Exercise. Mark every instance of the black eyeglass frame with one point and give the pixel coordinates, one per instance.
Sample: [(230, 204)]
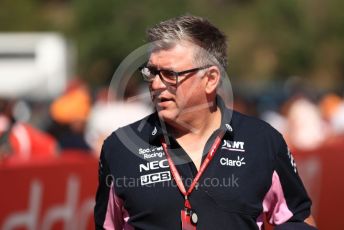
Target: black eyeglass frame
[(155, 72)]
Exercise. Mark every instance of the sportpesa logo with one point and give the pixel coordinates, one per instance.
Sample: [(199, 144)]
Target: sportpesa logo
[(155, 152)]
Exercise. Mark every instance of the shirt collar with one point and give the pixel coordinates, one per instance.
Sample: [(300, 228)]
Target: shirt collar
[(226, 116)]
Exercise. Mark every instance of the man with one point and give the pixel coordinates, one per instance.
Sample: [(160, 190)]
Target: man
[(194, 163)]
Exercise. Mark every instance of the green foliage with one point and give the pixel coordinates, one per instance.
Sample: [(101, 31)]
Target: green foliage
[(107, 35), (267, 38)]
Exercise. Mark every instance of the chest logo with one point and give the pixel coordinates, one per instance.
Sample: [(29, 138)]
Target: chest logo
[(233, 163), (151, 153), (155, 177), (237, 146)]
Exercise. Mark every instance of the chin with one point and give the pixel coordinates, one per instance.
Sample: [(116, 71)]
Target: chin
[(167, 116)]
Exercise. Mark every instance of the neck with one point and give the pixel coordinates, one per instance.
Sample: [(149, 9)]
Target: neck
[(194, 133), (198, 124)]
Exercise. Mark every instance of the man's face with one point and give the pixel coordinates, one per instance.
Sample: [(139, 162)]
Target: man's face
[(180, 102)]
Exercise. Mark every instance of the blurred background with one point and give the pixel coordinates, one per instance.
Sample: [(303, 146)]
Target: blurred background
[(58, 57)]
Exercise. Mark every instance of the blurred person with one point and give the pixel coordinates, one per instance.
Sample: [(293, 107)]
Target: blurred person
[(329, 104), (332, 108), (20, 140), (193, 137), (243, 105), (269, 104), (305, 128), (69, 113), (276, 120), (110, 114), (337, 120)]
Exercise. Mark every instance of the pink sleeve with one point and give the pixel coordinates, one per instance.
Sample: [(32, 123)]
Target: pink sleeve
[(116, 217), (275, 204)]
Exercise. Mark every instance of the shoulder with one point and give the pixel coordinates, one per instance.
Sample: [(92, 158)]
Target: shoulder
[(254, 124), (129, 136), (258, 129)]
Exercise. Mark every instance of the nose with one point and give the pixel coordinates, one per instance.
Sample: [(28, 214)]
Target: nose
[(157, 84)]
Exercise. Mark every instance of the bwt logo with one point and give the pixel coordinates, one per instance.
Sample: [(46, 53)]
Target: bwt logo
[(233, 145)]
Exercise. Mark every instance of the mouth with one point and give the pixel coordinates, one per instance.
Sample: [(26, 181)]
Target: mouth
[(162, 101)]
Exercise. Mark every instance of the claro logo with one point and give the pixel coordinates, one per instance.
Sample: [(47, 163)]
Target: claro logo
[(234, 163)]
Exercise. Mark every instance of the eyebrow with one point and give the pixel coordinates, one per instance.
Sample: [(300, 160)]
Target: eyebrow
[(169, 67), (151, 66), (155, 67)]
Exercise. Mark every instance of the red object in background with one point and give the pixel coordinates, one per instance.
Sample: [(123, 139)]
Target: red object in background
[(60, 192), (28, 141), (48, 193), (321, 171)]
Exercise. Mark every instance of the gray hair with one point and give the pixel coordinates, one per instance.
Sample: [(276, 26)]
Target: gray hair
[(211, 40)]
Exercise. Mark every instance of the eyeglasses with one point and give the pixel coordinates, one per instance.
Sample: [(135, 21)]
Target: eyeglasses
[(169, 77)]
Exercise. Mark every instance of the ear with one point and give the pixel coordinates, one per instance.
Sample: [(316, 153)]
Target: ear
[(213, 79)]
